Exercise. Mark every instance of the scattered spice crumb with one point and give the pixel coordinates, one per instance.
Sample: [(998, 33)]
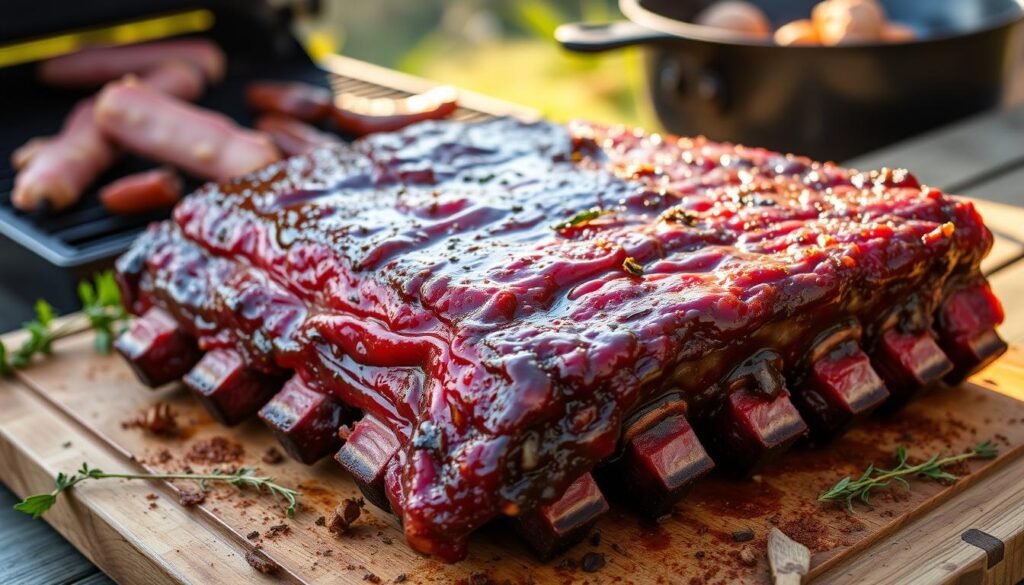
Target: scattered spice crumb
[(260, 562), (345, 515), (66, 444), (371, 578), (153, 506), (321, 521), (157, 419), (214, 451), (744, 535), (592, 562), (747, 556), (189, 498), (852, 525), (386, 540), (277, 530), (810, 531), (618, 548), (151, 497), (479, 579), (400, 578), (272, 456), (253, 535), (700, 554), (567, 564), (164, 456)]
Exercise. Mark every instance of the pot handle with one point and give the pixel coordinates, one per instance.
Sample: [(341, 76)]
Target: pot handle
[(583, 37)]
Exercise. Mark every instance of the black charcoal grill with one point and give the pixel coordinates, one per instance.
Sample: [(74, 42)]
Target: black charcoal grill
[(44, 255)]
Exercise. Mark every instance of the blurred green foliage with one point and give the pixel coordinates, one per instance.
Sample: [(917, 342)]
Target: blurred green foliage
[(502, 48)]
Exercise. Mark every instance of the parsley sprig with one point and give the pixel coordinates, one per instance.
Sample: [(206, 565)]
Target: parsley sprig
[(101, 311), (243, 478), (850, 490)]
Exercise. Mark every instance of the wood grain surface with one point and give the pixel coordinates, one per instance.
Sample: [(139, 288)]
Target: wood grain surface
[(73, 407), (1008, 284)]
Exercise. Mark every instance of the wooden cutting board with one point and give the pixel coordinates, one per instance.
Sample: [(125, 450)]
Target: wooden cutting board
[(73, 408)]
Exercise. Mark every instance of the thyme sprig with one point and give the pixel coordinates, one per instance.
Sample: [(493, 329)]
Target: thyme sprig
[(243, 478), (101, 311), (850, 490)]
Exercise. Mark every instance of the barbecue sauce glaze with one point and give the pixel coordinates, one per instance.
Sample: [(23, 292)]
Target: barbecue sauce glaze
[(476, 287)]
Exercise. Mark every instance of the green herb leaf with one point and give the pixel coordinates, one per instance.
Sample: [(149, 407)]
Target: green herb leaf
[(5, 367), (44, 313), (37, 504), (986, 450), (86, 293), (901, 455), (106, 289), (19, 359), (579, 219), (102, 341), (633, 267)]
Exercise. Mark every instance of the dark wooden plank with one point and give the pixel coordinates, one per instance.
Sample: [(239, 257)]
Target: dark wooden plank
[(1005, 188), (32, 553), (959, 156), (16, 309), (96, 578)]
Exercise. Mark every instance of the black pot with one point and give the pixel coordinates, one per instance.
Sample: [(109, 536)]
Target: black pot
[(825, 102)]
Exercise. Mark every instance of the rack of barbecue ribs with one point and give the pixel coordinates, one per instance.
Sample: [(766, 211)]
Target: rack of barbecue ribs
[(514, 321)]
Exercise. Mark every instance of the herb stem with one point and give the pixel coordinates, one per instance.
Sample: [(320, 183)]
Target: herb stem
[(167, 476), (847, 489), (71, 326), (101, 311), (246, 477), (914, 469)]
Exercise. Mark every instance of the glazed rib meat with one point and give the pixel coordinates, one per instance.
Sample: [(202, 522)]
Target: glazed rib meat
[(511, 319)]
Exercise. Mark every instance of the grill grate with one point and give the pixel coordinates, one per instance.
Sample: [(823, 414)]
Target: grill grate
[(361, 87), (86, 234)]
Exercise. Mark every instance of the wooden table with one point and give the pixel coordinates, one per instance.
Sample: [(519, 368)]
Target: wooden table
[(32, 552), (982, 157)]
